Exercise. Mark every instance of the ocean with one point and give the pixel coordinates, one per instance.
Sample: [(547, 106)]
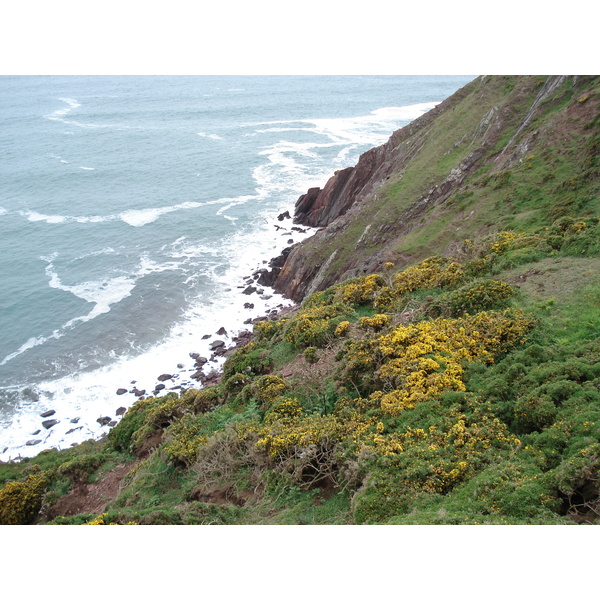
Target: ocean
[(133, 209)]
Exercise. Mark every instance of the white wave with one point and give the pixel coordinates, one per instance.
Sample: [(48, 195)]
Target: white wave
[(212, 136), (87, 168), (34, 216), (30, 343), (3, 211)]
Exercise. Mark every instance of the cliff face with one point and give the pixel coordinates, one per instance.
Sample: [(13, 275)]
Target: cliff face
[(399, 203)]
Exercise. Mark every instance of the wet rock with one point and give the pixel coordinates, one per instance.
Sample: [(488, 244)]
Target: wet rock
[(222, 331), (139, 393), (75, 420), (284, 215), (48, 413), (103, 420), (205, 337), (120, 411), (216, 344), (248, 305), (32, 442), (179, 366), (290, 241), (36, 432), (75, 429), (121, 391), (49, 423), (194, 355), (201, 360), (249, 290), (164, 377), (112, 423), (159, 387)]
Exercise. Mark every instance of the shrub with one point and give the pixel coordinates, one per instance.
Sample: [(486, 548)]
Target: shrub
[(20, 501)]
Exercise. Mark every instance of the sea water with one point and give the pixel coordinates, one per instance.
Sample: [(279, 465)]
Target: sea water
[(132, 209)]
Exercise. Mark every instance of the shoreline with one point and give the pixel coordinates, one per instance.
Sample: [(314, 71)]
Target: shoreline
[(201, 367)]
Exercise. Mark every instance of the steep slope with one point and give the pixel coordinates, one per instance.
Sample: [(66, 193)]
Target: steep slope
[(490, 157), (448, 372)]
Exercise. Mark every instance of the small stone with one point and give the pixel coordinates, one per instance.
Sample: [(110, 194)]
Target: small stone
[(121, 391), (205, 337), (222, 331), (248, 305), (48, 413), (164, 377), (179, 366), (139, 392), (49, 423), (159, 387), (75, 420), (36, 432), (194, 355)]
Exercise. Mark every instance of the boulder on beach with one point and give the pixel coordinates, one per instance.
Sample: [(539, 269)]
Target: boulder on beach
[(121, 391), (164, 377), (49, 423), (48, 413)]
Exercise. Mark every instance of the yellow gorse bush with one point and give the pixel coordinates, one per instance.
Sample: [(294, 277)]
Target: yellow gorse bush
[(20, 501), (421, 360)]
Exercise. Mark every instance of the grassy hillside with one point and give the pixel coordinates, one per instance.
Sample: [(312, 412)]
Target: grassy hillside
[(458, 384)]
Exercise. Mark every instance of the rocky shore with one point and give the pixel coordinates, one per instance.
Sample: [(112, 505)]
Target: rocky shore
[(256, 297)]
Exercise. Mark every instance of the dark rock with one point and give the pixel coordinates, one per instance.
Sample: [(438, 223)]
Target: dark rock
[(194, 355), (201, 360), (103, 420), (32, 442), (49, 423), (205, 337), (75, 420), (248, 305), (36, 432), (249, 290), (164, 377), (179, 366), (222, 331), (247, 321), (139, 392), (48, 413), (121, 411), (290, 241), (159, 387), (75, 429), (216, 344), (284, 215), (121, 391), (112, 423)]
